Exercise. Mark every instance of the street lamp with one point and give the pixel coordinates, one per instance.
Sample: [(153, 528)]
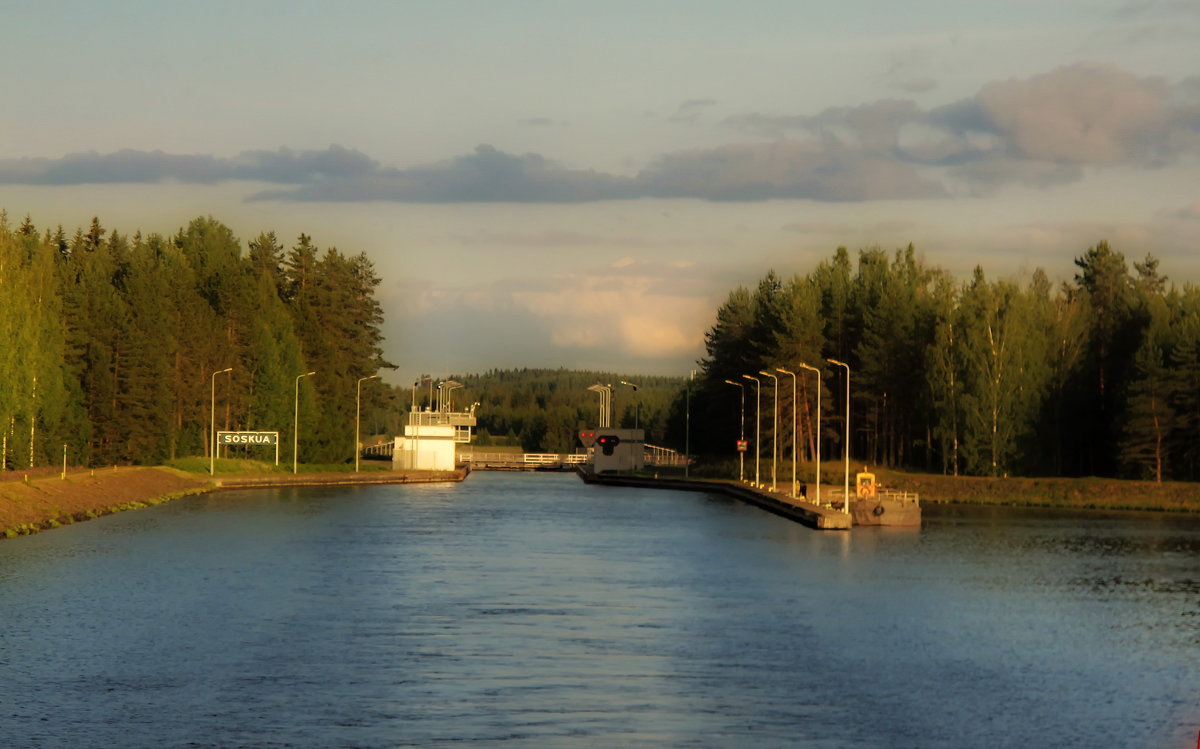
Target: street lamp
[(415, 422), (444, 390), (818, 461), (687, 429), (757, 421), (847, 489), (296, 421), (774, 427), (604, 391), (741, 453), (212, 410), (357, 413), (793, 374), (637, 405)]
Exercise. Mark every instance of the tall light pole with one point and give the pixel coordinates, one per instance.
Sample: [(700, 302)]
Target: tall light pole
[(847, 489), (444, 390), (687, 432), (357, 413), (602, 391), (637, 405), (794, 454), (296, 422), (741, 453), (774, 427), (212, 410), (757, 421), (415, 422), (818, 461)]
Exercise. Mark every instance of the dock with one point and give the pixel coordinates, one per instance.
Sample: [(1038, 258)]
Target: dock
[(806, 513), (365, 478)]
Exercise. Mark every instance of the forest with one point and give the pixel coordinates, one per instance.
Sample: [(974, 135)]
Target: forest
[(116, 345), (116, 348), (542, 410), (1099, 376)]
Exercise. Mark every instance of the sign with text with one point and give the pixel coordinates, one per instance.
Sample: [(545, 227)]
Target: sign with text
[(248, 438)]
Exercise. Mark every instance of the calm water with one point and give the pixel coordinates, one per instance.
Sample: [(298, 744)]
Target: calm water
[(533, 610)]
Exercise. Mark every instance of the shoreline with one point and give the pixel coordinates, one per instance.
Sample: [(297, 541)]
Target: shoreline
[(34, 501), (31, 502)]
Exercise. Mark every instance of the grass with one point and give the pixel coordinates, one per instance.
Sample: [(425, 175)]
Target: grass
[(1090, 492)]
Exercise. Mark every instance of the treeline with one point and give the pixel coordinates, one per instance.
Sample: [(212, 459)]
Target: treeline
[(543, 410), (1097, 376), (113, 343)]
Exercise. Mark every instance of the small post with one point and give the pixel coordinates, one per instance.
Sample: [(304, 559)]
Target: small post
[(64, 472)]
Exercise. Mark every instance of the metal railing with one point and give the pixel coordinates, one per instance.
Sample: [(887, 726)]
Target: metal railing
[(528, 459)]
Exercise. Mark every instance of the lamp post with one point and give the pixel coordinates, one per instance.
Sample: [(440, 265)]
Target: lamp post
[(637, 405), (444, 390), (774, 427), (414, 420), (296, 422), (742, 438), (357, 414), (212, 410), (603, 391), (687, 432), (794, 454), (847, 489), (757, 421), (818, 461)]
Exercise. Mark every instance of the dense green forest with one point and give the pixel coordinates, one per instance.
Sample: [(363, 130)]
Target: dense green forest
[(1097, 376), (542, 410), (114, 344)]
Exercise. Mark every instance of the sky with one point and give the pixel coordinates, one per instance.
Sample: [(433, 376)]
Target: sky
[(581, 184)]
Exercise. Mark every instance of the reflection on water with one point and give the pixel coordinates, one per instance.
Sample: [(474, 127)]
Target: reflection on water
[(535, 610)]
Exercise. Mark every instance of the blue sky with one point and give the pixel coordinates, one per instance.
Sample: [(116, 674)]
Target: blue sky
[(581, 184)]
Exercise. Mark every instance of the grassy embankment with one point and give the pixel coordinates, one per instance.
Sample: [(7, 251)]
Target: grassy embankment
[(1088, 493), (36, 500)]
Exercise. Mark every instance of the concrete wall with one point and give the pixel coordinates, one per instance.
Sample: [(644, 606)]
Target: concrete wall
[(627, 455), (425, 448)]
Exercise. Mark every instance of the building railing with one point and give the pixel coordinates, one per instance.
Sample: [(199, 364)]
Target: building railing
[(529, 459), (441, 418)]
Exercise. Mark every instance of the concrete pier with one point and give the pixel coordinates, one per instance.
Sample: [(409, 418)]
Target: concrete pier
[(339, 479), (820, 518)]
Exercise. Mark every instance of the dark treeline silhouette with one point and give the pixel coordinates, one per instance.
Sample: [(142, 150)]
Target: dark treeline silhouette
[(111, 342), (1097, 376), (543, 410)]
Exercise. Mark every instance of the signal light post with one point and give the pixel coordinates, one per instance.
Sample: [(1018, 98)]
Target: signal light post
[(847, 489), (757, 422)]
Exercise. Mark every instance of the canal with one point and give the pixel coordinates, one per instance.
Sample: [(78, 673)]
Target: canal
[(534, 610)]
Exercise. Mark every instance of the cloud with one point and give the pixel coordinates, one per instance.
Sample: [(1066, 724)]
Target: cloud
[(629, 314), (1040, 131), (689, 111), (600, 313), (1081, 114), (149, 167), (487, 175), (917, 85), (1190, 212), (825, 170)]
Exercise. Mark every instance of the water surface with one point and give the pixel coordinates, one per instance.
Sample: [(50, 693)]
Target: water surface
[(534, 610)]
